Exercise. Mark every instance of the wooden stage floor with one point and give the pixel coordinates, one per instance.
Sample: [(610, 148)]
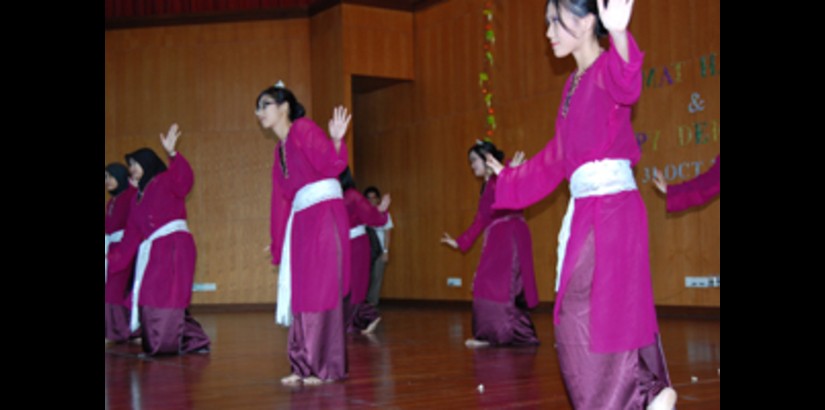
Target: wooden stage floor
[(415, 360)]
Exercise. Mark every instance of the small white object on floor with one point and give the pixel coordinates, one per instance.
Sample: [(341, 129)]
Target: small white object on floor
[(481, 388), (694, 379)]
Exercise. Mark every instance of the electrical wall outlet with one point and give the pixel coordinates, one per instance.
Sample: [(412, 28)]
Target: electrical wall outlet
[(454, 282), (697, 282), (702, 281), (204, 287)]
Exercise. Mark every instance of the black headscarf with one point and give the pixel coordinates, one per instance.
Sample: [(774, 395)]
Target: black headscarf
[(151, 164), (121, 174)]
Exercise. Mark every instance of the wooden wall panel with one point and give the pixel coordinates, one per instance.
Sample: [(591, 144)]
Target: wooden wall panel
[(331, 84), (412, 140), (377, 42), (206, 78)]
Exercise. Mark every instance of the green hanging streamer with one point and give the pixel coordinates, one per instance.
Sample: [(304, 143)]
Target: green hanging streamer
[(491, 36), (491, 120)]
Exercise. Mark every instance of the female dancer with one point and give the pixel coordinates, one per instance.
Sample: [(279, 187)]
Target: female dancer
[(504, 286), (165, 266), (361, 316), (605, 322), (310, 235), (117, 282)]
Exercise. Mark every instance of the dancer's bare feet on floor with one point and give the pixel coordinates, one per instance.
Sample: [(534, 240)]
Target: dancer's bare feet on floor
[(291, 380), (371, 327), (473, 343), (665, 400), (314, 381)]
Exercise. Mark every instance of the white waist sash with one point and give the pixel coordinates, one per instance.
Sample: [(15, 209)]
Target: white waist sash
[(111, 238), (357, 231), (307, 196), (144, 251), (596, 178)]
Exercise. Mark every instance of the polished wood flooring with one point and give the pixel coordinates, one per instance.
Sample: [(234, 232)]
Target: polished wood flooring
[(415, 360)]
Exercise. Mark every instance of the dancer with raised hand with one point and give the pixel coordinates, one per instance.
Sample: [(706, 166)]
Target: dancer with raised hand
[(607, 337), (310, 235), (504, 287), (360, 316), (157, 231)]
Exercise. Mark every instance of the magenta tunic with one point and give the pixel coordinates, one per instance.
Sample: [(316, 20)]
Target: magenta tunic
[(361, 212), (506, 237), (597, 126), (167, 281), (697, 191), (117, 213), (320, 234), (117, 210)]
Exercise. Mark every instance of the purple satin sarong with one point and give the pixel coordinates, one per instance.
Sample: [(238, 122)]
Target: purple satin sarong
[(623, 380), (317, 345), (117, 323), (502, 324), (359, 316), (506, 323), (171, 331)]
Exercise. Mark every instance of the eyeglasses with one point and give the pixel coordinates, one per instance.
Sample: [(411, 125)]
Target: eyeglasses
[(262, 106)]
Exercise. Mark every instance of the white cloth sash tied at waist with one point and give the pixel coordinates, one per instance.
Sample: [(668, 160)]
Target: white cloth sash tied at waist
[(596, 178), (144, 251), (307, 196), (111, 238), (357, 231)]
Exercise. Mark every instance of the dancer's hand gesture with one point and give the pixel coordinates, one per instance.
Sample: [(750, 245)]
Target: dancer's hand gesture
[(449, 241), (518, 159), (338, 124), (170, 140), (385, 203), (659, 181), (493, 164), (616, 15)]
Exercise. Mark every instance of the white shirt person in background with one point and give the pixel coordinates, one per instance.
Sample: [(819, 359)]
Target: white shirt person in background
[(379, 264)]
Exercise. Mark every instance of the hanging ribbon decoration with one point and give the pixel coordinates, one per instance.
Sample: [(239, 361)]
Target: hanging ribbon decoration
[(484, 79)]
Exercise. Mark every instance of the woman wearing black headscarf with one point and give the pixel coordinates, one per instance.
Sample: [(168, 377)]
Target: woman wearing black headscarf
[(165, 266), (117, 281)]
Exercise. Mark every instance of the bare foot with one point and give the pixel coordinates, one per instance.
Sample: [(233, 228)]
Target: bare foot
[(665, 400), (291, 380), (314, 381), (473, 343), (371, 327)]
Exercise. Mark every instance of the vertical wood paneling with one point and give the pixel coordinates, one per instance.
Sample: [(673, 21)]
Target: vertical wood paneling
[(377, 42), (206, 78)]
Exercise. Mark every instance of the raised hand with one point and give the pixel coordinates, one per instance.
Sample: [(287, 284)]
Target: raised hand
[(449, 241), (616, 15), (518, 159), (493, 163), (338, 123), (659, 181), (385, 203), (171, 139)]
